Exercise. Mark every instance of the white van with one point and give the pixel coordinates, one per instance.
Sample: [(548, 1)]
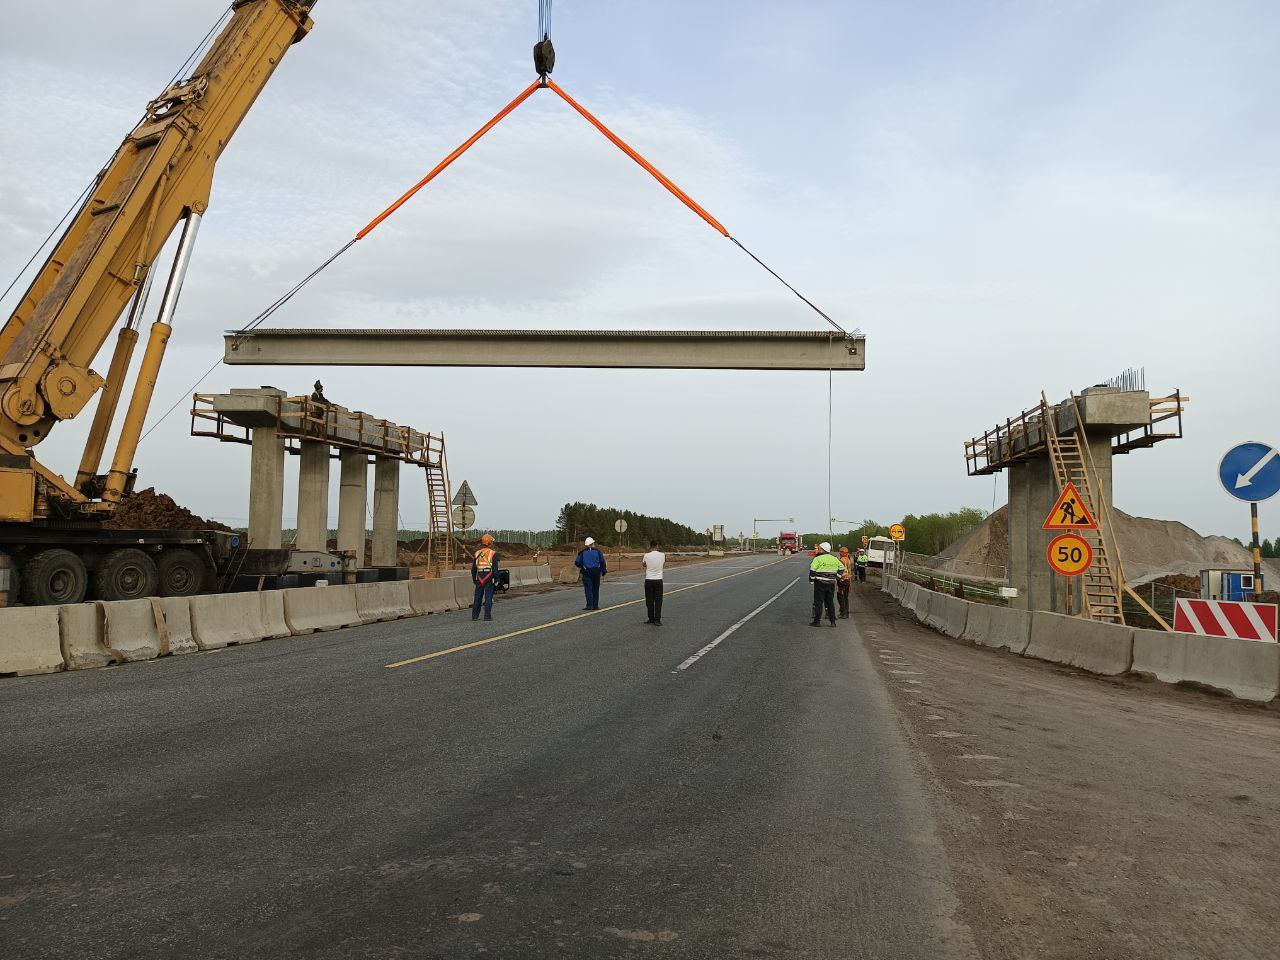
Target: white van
[(880, 552)]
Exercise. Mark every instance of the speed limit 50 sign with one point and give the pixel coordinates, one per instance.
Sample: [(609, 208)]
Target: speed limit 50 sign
[(1070, 554)]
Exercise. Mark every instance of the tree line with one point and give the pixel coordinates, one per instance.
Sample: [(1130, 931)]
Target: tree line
[(927, 533), (578, 521)]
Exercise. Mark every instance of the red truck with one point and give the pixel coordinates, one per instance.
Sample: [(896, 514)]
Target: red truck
[(788, 543)]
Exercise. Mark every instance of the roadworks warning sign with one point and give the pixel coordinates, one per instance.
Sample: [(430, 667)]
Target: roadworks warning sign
[(1070, 513)]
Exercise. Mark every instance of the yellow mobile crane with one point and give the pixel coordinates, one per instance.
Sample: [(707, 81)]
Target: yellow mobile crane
[(160, 177)]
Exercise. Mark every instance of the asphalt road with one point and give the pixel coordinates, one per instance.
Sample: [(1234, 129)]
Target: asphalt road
[(568, 791)]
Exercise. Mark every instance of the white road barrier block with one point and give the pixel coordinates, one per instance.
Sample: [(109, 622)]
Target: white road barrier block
[(1247, 669), (920, 603), (948, 614), (1102, 648), (30, 641), (311, 609), (81, 636), (1000, 627), (433, 596), (383, 601), (173, 622), (544, 573), (908, 598), (221, 619), (130, 630)]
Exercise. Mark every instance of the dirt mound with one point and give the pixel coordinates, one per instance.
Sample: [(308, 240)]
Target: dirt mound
[(1150, 549), (1181, 582), (148, 510)]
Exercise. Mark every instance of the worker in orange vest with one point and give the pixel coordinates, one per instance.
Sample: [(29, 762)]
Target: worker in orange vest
[(484, 574), (844, 582)]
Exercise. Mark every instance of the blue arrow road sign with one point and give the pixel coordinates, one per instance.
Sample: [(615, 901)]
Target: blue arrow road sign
[(1251, 472)]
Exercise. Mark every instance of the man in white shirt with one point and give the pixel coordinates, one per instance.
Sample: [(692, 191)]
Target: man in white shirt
[(653, 561)]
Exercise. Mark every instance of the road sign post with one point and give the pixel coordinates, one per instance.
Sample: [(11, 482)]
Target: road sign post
[(1251, 472)]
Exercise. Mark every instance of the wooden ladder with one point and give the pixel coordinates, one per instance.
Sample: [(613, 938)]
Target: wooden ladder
[(1101, 584), (440, 539)]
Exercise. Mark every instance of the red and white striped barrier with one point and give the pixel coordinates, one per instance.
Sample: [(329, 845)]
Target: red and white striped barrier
[(1226, 618)]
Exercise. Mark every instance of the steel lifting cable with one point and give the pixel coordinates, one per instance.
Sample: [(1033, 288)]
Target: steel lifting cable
[(612, 137)]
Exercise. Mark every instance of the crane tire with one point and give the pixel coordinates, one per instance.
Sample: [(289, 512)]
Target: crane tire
[(183, 573), (53, 576), (125, 574)]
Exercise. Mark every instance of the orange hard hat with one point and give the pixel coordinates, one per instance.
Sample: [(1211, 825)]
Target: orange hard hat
[(844, 551), (487, 539)]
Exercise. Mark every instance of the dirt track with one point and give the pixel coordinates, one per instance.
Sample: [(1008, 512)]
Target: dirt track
[(1086, 817)]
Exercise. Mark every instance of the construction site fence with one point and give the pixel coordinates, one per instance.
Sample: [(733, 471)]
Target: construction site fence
[(944, 582), (1162, 598), (950, 565)]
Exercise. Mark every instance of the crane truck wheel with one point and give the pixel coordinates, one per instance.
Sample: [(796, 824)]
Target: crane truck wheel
[(126, 574), (53, 576), (183, 573)]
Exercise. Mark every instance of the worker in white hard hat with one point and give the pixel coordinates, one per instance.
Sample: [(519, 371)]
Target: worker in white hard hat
[(590, 560), (824, 572)]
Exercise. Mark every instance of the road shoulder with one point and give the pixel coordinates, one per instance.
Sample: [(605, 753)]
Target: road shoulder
[(1087, 817)]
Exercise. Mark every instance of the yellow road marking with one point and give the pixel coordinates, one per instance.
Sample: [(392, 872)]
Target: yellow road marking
[(555, 623)]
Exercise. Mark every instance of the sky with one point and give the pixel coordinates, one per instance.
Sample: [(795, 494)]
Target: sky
[(1005, 197)]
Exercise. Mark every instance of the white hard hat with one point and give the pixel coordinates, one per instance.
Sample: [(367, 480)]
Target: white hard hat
[(590, 541), (824, 547)]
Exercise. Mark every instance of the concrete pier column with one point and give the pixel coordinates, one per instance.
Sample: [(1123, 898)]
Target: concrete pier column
[(266, 488), (352, 500), (386, 510), (1045, 591), (1019, 569), (313, 496)]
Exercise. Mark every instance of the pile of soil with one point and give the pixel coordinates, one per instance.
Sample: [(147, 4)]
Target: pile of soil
[(148, 510), (1149, 549), (1181, 582)]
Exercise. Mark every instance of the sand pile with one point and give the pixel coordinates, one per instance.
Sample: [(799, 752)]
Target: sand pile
[(148, 510), (1149, 548)]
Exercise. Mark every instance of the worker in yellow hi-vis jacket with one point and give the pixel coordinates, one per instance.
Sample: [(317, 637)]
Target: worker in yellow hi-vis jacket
[(824, 572)]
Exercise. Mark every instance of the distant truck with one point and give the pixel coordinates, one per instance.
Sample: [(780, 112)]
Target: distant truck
[(788, 543)]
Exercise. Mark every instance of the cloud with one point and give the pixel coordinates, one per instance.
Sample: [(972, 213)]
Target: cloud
[(1007, 200)]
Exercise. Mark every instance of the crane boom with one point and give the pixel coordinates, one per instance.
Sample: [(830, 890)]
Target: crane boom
[(159, 177)]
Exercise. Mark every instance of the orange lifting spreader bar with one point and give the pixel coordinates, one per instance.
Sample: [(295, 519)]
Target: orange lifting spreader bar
[(440, 167), (657, 174)]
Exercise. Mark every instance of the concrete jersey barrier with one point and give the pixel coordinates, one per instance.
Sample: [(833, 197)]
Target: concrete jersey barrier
[(908, 598), (1247, 669), (80, 629), (173, 622), (1101, 648), (30, 641), (222, 619), (435, 596), (948, 614), (312, 609), (383, 601), (1000, 627), (920, 603), (130, 630)]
